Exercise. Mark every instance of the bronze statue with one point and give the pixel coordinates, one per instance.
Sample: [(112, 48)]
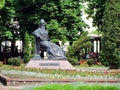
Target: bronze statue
[(43, 43)]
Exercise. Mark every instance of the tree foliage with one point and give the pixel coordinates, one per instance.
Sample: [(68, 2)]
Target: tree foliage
[(106, 15), (62, 16), (65, 14), (28, 47), (78, 47), (95, 10), (2, 2), (111, 36), (7, 12), (55, 30)]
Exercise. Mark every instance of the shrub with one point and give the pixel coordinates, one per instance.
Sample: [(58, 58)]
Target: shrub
[(28, 50), (72, 60), (90, 62), (76, 50), (15, 61)]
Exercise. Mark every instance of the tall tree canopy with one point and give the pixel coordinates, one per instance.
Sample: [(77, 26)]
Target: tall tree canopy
[(62, 17), (106, 15), (7, 12), (2, 2), (111, 36), (95, 10)]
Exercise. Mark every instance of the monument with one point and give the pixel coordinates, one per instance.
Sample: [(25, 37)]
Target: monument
[(55, 55)]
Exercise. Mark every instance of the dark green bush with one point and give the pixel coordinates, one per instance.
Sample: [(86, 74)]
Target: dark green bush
[(14, 61), (76, 50), (90, 62)]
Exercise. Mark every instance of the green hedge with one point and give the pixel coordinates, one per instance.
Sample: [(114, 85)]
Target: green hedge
[(14, 61)]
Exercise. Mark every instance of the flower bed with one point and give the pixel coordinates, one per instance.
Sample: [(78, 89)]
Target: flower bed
[(21, 72), (19, 75)]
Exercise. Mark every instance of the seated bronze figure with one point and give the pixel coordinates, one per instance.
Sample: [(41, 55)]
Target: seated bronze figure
[(43, 43)]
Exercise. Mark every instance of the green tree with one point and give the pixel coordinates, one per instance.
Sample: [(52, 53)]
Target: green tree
[(7, 13), (105, 14), (2, 2), (78, 47), (28, 50), (111, 36), (65, 14), (55, 30), (95, 10)]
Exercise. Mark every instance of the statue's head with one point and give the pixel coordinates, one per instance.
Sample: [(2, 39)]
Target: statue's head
[(42, 22)]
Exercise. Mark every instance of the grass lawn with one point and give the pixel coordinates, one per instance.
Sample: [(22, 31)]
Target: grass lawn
[(75, 86), (93, 66)]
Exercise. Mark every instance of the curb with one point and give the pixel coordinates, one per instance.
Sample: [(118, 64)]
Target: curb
[(17, 82)]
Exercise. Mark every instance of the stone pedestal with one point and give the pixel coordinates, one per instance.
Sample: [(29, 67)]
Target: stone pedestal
[(36, 57), (49, 64)]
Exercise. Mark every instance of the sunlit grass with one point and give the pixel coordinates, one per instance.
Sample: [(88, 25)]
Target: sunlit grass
[(75, 86), (93, 66)]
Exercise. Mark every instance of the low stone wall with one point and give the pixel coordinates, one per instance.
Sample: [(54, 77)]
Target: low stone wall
[(3, 79), (16, 82)]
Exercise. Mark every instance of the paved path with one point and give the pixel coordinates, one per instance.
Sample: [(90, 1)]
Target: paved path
[(11, 88), (2, 87)]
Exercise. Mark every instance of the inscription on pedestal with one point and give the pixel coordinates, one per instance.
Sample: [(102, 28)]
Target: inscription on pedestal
[(49, 64)]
